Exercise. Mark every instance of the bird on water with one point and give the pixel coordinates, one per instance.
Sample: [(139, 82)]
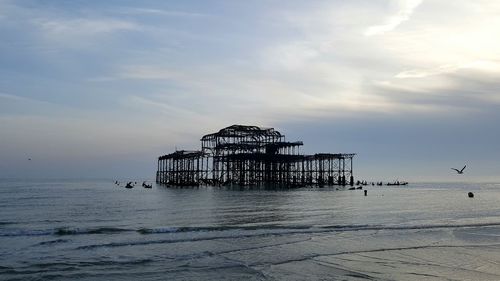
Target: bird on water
[(460, 171)]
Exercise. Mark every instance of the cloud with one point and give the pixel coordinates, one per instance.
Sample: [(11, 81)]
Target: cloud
[(426, 73), (290, 56), (488, 66), (148, 72), (13, 97), (177, 111), (24, 100), (85, 26), (406, 9), (459, 91), (141, 72), (162, 12)]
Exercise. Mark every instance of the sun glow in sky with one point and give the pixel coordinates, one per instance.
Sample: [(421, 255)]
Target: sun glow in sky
[(101, 88)]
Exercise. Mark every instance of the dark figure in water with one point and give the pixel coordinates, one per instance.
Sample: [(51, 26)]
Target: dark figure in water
[(471, 195), (366, 192), (129, 185)]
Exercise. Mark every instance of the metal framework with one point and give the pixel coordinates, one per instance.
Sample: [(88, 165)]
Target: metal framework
[(250, 155)]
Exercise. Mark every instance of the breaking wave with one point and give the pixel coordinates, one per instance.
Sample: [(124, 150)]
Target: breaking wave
[(270, 229), (63, 231)]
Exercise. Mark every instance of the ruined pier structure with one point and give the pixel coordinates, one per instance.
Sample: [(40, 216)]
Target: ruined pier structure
[(250, 155)]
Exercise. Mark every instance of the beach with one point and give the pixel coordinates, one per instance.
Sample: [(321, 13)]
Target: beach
[(95, 230)]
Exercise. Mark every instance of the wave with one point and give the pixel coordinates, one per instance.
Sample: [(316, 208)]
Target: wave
[(243, 230), (277, 231), (219, 228), (158, 230), (98, 230), (46, 267), (64, 231), (414, 227), (52, 242), (306, 228), (16, 233)]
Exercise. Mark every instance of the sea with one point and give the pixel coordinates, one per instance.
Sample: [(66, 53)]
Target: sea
[(97, 230)]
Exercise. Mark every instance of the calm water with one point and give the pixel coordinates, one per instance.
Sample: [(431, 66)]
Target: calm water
[(94, 230)]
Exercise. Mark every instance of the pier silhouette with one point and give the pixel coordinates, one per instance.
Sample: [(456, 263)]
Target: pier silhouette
[(250, 155)]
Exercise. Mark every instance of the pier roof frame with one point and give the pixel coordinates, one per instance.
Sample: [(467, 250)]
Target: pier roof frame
[(242, 131), (249, 137), (272, 158), (333, 155), (183, 154)]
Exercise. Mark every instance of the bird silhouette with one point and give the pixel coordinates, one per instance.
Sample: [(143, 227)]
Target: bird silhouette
[(459, 171)]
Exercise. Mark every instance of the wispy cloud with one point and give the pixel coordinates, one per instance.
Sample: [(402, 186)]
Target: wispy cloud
[(406, 9), (482, 65), (415, 73), (148, 72), (290, 56), (161, 12), (173, 110), (13, 97), (85, 26), (20, 98), (141, 72)]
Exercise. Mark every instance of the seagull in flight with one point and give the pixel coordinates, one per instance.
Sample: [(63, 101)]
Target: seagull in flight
[(460, 171)]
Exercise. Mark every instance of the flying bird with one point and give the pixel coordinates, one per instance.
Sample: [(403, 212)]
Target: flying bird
[(460, 171)]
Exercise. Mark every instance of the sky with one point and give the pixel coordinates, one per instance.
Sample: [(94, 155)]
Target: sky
[(100, 89)]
